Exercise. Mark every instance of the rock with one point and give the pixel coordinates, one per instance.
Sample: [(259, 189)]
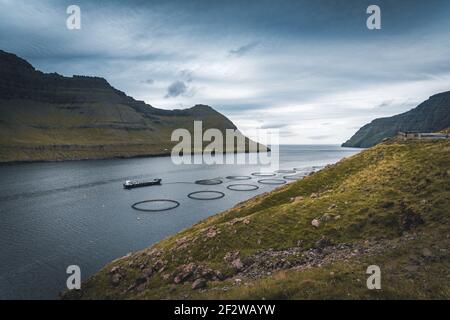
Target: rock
[(182, 240), (326, 217), (154, 252), (199, 284), (237, 264), (333, 205), (159, 264), (337, 217), (211, 232), (315, 223), (139, 281), (147, 273), (299, 198), (166, 276), (114, 269), (314, 195), (115, 279), (219, 275), (184, 272), (237, 281), (323, 242), (230, 256), (427, 253), (246, 221)]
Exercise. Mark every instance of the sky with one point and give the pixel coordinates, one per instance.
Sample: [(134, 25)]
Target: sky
[(311, 69)]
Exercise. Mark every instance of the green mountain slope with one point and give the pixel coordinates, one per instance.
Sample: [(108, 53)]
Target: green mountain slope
[(387, 206), (430, 116), (51, 117)]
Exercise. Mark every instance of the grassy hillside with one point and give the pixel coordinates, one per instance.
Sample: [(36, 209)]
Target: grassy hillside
[(387, 206)]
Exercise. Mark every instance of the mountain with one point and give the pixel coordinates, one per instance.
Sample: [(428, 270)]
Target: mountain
[(431, 115), (52, 117), (312, 239)]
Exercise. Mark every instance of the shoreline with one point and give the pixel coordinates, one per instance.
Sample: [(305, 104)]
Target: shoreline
[(166, 154)]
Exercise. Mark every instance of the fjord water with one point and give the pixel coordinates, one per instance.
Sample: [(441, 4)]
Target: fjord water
[(76, 213)]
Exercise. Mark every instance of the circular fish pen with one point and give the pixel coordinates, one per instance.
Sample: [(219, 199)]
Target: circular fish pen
[(242, 187), (263, 174), (172, 205), (292, 177), (196, 195), (272, 181), (209, 182), (286, 171), (239, 178)]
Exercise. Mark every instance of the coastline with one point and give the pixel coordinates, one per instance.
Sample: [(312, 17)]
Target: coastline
[(145, 155)]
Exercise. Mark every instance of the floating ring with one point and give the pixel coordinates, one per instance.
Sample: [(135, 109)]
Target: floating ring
[(285, 171), (272, 181), (175, 205), (252, 187), (239, 177), (209, 182), (262, 174), (219, 195), (292, 177), (305, 169)]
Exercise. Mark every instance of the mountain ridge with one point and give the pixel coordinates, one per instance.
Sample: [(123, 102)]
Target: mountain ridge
[(431, 115), (50, 117)]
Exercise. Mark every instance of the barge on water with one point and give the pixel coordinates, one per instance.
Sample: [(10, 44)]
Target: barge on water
[(137, 184)]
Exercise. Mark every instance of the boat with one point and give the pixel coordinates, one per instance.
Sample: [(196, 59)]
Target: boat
[(130, 184)]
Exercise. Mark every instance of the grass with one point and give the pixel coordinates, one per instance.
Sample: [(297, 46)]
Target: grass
[(381, 195)]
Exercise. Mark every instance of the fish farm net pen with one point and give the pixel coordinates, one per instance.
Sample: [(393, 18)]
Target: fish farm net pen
[(272, 181), (194, 195), (261, 174), (239, 178), (174, 205), (247, 187)]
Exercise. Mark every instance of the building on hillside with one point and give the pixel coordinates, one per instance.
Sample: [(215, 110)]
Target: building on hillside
[(413, 135)]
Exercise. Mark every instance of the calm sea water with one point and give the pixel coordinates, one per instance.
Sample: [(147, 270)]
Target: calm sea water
[(53, 215)]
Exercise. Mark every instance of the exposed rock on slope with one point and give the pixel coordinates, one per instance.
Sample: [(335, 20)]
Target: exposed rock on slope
[(430, 116), (51, 117)]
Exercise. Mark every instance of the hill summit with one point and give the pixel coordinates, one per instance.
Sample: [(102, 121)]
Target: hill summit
[(46, 116)]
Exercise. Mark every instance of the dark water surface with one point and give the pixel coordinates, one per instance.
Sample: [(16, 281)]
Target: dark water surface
[(53, 215)]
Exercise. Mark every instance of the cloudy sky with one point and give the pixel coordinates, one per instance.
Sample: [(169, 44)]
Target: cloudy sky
[(311, 69)]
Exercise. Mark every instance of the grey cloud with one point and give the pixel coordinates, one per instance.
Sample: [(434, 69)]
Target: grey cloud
[(320, 137), (187, 75), (176, 89), (273, 125), (148, 81), (239, 52)]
